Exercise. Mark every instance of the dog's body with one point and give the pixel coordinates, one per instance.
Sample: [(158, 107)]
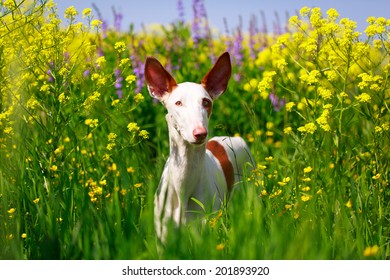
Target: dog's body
[(197, 170)]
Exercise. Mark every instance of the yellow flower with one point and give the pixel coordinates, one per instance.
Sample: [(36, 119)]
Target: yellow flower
[(308, 128), (133, 127), (124, 62), (304, 12), (87, 12), (45, 88), (323, 120), (130, 169), (305, 197), (115, 102), (343, 94), (264, 85), (62, 98), (100, 61), (376, 176), (144, 134), (284, 181), (91, 122), (325, 93), (349, 204), (290, 106), (138, 185), (113, 167), (262, 167), (311, 77), (70, 12), (332, 14), (96, 23), (23, 236), (11, 211), (120, 46), (111, 136), (269, 159), (294, 20), (364, 97), (307, 169), (220, 247), (130, 79), (287, 130), (91, 100), (53, 168), (59, 149), (138, 98), (36, 201), (251, 84), (32, 103), (371, 251)]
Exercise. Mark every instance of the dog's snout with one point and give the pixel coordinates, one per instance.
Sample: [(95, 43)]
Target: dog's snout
[(200, 133)]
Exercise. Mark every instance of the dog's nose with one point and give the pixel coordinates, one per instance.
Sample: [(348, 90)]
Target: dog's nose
[(200, 133)]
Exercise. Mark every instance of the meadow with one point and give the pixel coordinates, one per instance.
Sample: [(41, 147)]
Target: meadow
[(83, 145)]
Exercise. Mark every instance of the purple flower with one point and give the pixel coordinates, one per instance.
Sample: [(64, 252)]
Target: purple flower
[(118, 82), (49, 72), (100, 17), (196, 23), (180, 9), (117, 19), (276, 102), (86, 73), (50, 78), (138, 70), (238, 50), (200, 17)]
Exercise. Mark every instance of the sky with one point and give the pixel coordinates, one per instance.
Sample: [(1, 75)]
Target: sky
[(148, 12)]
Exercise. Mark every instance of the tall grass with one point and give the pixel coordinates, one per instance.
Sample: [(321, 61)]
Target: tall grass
[(83, 145)]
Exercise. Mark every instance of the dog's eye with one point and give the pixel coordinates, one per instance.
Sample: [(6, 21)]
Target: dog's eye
[(206, 103), (178, 103)]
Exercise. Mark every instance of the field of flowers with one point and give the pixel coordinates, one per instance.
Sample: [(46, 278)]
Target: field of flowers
[(82, 144)]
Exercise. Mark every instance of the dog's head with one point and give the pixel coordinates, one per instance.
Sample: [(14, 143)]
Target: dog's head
[(189, 104)]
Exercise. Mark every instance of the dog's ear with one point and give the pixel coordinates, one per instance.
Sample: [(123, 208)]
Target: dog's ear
[(216, 80), (158, 80)]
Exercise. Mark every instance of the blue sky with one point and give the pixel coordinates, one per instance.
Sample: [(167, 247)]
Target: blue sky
[(165, 11)]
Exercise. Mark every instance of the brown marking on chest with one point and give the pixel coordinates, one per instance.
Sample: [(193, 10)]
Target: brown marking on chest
[(220, 153)]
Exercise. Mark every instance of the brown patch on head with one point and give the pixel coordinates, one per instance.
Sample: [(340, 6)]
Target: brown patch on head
[(220, 153)]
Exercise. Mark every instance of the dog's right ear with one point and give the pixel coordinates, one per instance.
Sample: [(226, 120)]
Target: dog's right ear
[(158, 80)]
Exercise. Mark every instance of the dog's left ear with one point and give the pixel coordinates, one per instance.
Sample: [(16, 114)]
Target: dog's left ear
[(216, 80)]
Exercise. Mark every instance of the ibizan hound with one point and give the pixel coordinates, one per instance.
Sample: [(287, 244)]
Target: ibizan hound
[(196, 168)]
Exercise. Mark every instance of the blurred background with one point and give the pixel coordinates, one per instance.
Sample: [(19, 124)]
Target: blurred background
[(270, 14)]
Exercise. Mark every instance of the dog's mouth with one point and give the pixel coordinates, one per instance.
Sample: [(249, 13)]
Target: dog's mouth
[(198, 142)]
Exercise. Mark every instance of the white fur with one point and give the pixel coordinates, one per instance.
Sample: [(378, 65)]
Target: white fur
[(191, 170)]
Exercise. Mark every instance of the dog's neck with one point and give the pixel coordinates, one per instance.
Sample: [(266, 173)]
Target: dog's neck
[(186, 164)]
